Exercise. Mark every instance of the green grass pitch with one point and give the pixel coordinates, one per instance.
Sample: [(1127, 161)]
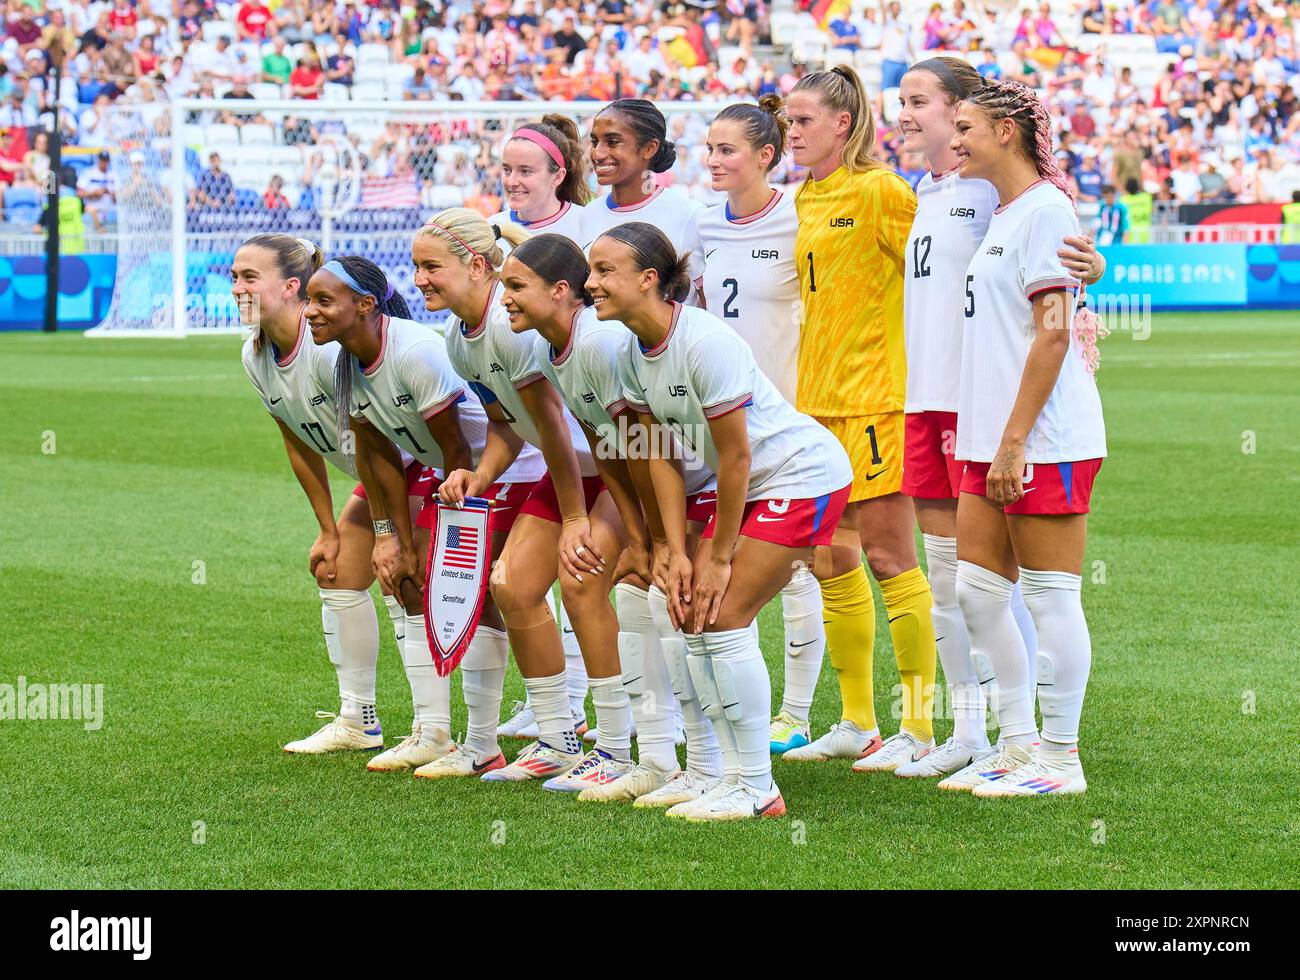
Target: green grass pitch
[(161, 457)]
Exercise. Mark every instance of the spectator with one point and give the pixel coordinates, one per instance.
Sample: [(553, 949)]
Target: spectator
[(96, 188), (146, 57), (214, 189), (1112, 219), (307, 80), (569, 40), (122, 20), (37, 159), (276, 67), (339, 67), (895, 46), (417, 86), (23, 202), (254, 21), (274, 197), (24, 31)]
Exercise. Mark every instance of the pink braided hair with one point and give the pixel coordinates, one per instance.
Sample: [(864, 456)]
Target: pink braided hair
[(1017, 101)]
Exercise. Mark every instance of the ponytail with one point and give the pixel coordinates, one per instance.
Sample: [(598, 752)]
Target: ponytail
[(841, 90), (467, 234), (294, 258), (651, 249)]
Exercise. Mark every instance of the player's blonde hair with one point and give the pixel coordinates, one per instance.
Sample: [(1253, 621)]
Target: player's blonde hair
[(467, 234), (841, 90)]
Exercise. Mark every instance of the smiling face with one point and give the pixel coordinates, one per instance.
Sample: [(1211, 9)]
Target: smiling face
[(445, 281), (733, 163), (333, 309), (817, 133), (616, 285), (260, 291), (615, 158), (925, 116), (981, 144), (528, 298), (528, 180)]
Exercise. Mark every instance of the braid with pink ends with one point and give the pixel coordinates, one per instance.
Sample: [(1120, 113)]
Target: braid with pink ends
[(1017, 101)]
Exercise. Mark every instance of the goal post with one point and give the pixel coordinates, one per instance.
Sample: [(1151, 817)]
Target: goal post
[(356, 177)]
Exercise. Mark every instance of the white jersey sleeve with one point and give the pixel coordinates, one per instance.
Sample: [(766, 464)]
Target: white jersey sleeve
[(1041, 268)]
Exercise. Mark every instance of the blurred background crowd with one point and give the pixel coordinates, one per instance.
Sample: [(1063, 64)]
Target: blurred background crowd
[(1186, 101)]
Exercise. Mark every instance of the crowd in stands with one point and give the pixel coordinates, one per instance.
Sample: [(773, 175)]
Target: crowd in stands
[(1178, 100)]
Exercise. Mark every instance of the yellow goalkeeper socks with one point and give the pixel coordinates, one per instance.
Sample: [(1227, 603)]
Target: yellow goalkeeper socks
[(850, 614), (907, 604)]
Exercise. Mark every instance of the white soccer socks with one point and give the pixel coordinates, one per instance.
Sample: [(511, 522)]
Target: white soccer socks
[(703, 754), (613, 716), (1064, 653), (645, 678), (998, 650), (745, 690), (352, 641), (398, 617), (483, 674), (550, 700), (430, 694), (964, 693), (805, 642), (575, 668)]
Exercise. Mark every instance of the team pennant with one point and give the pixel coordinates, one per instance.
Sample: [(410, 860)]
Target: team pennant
[(456, 579)]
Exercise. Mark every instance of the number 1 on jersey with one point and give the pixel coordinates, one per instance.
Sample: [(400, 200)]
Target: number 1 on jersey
[(812, 276)]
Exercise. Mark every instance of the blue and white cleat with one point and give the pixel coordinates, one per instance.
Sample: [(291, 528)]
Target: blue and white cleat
[(597, 768), (536, 761), (1050, 774), (338, 735), (989, 767), (788, 732)]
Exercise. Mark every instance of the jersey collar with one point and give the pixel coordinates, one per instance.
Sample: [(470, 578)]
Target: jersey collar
[(369, 369), (297, 344), (1002, 207), (477, 332), (609, 202), (649, 352), (541, 222), (762, 212), (559, 357)]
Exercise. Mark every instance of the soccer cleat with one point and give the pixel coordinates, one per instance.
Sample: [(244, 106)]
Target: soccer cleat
[(711, 789), (893, 752), (422, 746), (949, 757), (634, 784), (461, 761), (596, 768), (338, 735), (1050, 774), (537, 761), (522, 723), (844, 741), (788, 732), (988, 767), (740, 802), (685, 787)]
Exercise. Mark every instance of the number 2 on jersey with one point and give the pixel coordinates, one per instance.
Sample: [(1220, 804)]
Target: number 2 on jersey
[(727, 309), (921, 260)]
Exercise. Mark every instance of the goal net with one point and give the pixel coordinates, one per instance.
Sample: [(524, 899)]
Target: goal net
[(197, 178)]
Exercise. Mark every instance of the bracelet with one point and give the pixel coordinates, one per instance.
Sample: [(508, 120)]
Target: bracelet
[(383, 527)]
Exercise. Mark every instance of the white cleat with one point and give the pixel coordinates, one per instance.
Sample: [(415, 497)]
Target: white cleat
[(638, 781), (461, 761), (739, 802), (522, 723), (844, 741), (948, 758), (685, 787), (988, 767), (1050, 774), (422, 746), (711, 789), (536, 761), (894, 752), (338, 735), (597, 768)]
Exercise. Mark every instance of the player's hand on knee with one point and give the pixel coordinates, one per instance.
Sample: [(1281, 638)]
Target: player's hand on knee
[(633, 560), (579, 555), (385, 558), (678, 581), (323, 558)]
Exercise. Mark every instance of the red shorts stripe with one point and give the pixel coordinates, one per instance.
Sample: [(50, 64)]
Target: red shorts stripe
[(1050, 488), (418, 477), (930, 471), (507, 499), (799, 523), (543, 503)]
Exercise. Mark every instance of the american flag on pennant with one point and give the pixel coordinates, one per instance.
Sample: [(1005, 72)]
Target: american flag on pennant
[(462, 548)]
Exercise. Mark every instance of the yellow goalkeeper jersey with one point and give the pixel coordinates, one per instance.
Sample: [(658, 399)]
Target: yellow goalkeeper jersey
[(850, 249)]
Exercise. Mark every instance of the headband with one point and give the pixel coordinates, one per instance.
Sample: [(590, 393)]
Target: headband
[(940, 68), (496, 234), (335, 268), (542, 140)]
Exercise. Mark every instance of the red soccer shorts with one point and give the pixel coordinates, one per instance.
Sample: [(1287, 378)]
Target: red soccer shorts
[(418, 477), (700, 507), (1050, 488), (543, 503), (930, 471), (507, 500), (799, 523)]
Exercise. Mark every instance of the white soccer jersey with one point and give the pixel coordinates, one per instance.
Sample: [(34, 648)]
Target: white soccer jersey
[(750, 280), (952, 215), (1016, 261), (412, 380), (567, 221), (588, 374), (701, 371), (298, 389), (498, 363), (668, 209)]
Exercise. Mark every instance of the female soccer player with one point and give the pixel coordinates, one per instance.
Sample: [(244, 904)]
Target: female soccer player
[(749, 281), (783, 482), (544, 175), (952, 215), (295, 380), (545, 290), (1031, 430), (457, 258), (396, 388), (629, 145), (854, 215)]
